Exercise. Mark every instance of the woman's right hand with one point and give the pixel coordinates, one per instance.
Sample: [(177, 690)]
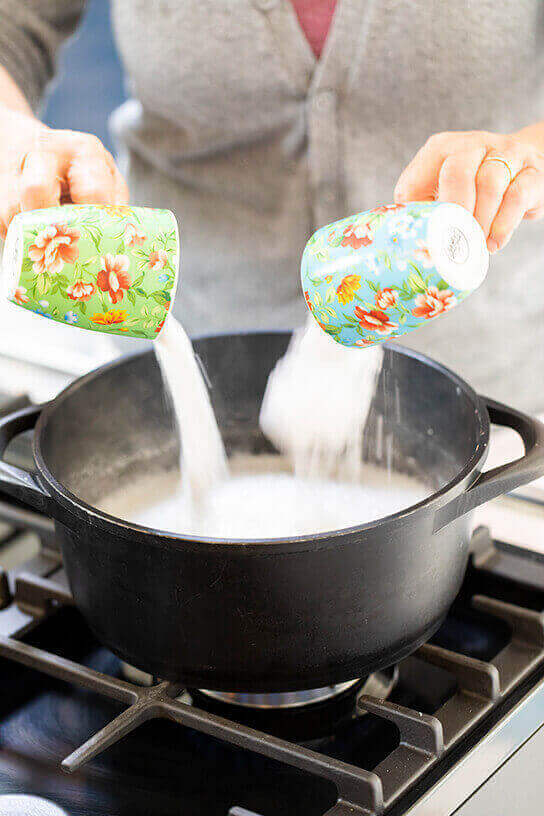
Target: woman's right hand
[(41, 167)]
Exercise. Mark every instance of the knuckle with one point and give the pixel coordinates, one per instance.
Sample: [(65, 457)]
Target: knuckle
[(535, 215), (122, 193), (438, 139), (9, 213), (458, 139), (455, 171), (35, 188), (517, 195), (500, 238), (92, 144), (510, 145), (7, 182), (531, 175), (108, 156), (464, 142), (499, 231), (95, 192), (490, 184), (469, 140)]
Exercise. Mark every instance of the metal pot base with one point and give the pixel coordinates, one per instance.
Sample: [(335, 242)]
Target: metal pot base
[(379, 684), (281, 700)]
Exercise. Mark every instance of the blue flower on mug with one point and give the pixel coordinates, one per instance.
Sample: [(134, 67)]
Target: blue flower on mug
[(71, 317), (42, 313), (402, 226), (44, 304), (372, 265), (163, 278)]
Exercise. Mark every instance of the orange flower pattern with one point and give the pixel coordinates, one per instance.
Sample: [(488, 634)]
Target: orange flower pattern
[(158, 259), (113, 277), (133, 235), (80, 290), (109, 317), (54, 246), (20, 295), (386, 297), (347, 288), (375, 320), (433, 302), (356, 236)]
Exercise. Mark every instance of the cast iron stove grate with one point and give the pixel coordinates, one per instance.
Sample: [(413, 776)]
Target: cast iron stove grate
[(425, 738)]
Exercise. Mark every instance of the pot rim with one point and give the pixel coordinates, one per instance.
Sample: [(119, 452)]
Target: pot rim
[(331, 538)]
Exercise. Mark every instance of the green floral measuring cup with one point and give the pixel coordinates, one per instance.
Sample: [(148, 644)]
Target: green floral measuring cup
[(111, 269)]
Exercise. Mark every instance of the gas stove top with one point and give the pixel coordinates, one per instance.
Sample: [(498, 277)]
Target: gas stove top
[(456, 711), (455, 728)]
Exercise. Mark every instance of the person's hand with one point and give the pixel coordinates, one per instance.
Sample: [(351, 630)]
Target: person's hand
[(41, 167), (500, 179)]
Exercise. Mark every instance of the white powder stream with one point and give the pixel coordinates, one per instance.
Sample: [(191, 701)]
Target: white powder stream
[(203, 459), (317, 402), (315, 409)]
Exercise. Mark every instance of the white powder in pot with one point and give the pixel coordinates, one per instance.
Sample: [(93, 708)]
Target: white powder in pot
[(263, 499)]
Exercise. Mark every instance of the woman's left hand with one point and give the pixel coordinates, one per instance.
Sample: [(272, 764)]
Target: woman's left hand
[(498, 178)]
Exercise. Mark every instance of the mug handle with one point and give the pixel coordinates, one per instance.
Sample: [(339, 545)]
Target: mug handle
[(504, 478), (17, 482)]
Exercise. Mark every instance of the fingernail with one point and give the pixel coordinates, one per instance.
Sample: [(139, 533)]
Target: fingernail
[(492, 245)]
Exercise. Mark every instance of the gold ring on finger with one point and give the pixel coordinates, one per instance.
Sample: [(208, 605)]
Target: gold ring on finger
[(23, 162), (504, 162)]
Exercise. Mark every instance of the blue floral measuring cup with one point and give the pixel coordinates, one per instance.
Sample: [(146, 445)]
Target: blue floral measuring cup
[(377, 275)]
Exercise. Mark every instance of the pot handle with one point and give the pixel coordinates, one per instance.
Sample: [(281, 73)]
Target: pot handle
[(15, 481), (504, 478)]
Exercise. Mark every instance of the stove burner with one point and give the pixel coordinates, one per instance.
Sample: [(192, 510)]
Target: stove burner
[(281, 700), (314, 717), (379, 685)]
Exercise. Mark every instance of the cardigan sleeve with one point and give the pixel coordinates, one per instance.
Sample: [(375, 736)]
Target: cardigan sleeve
[(31, 33)]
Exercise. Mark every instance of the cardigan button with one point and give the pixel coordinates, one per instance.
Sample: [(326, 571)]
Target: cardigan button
[(324, 101), (266, 5)]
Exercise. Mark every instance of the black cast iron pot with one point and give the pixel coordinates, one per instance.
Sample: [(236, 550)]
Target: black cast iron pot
[(263, 615)]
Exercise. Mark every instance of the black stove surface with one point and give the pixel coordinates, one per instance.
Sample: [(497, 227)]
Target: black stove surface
[(168, 770), (158, 769)]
